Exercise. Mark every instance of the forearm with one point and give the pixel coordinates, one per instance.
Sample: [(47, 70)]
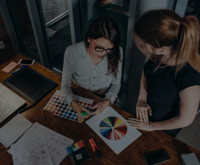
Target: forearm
[(173, 123), (143, 88), (113, 92), (68, 94)]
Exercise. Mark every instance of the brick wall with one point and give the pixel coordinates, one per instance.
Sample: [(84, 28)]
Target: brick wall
[(8, 51)]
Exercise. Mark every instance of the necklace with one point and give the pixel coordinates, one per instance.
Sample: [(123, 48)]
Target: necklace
[(94, 57)]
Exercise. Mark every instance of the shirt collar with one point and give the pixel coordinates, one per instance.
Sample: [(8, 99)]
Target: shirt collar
[(86, 55)]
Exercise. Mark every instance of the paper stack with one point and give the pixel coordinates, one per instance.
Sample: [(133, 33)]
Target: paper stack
[(39, 144)]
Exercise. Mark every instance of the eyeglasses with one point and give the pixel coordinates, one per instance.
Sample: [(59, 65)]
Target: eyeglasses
[(98, 49)]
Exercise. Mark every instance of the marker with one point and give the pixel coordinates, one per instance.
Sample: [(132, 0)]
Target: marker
[(72, 147), (69, 150), (80, 144), (18, 69), (84, 113), (76, 145), (95, 148)]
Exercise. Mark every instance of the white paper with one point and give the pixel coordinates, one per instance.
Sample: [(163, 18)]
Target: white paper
[(16, 161), (57, 143), (190, 159), (116, 145), (31, 148), (14, 129), (57, 153)]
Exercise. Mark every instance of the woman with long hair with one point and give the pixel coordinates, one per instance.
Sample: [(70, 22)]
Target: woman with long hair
[(94, 65), (169, 90)]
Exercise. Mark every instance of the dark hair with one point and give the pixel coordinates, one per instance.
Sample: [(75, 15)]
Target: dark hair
[(107, 28), (164, 27)]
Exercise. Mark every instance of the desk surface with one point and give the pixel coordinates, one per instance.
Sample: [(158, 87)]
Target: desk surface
[(133, 154)]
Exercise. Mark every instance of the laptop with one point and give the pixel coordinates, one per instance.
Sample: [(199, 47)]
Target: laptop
[(9, 102)]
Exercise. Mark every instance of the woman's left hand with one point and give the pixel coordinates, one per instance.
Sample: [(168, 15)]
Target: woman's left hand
[(100, 107), (135, 123)]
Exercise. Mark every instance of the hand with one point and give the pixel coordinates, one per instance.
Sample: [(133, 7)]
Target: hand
[(100, 107), (142, 110), (78, 108), (135, 123)]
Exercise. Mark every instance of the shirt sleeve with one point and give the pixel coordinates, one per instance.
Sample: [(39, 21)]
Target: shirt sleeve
[(67, 77), (191, 78), (116, 82)]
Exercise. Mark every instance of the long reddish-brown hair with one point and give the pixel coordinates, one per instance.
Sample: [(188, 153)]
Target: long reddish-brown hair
[(164, 27)]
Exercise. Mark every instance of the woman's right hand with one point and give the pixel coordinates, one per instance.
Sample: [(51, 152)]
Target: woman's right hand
[(79, 108), (142, 110)]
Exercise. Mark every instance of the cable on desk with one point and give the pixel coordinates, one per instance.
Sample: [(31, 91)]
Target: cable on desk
[(25, 109)]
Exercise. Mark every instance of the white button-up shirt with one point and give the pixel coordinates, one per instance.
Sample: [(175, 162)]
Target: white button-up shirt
[(79, 68)]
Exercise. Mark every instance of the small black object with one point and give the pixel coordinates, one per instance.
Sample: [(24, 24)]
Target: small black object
[(25, 109), (156, 157), (97, 153), (79, 153), (80, 156)]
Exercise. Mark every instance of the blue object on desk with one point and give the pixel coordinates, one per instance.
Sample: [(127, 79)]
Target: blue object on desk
[(69, 151), (18, 69)]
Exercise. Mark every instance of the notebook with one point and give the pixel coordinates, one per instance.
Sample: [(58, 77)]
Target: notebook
[(9, 102), (14, 129)]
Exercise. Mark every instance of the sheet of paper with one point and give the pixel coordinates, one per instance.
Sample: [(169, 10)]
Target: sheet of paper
[(3, 143), (59, 139), (57, 143), (124, 140), (31, 148), (16, 161), (15, 128)]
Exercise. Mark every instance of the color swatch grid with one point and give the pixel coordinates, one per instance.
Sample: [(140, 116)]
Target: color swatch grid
[(59, 107), (113, 128)]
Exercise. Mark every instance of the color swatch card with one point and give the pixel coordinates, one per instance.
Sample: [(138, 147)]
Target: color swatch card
[(59, 107), (113, 129)]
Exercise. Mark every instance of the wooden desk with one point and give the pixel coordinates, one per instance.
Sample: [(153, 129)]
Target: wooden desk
[(132, 155)]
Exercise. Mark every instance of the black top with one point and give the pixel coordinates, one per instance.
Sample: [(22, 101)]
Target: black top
[(163, 88)]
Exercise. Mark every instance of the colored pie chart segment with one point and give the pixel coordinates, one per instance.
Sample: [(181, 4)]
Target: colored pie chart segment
[(113, 128)]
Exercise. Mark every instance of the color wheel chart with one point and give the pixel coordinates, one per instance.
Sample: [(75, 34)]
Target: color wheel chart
[(59, 107), (113, 128)]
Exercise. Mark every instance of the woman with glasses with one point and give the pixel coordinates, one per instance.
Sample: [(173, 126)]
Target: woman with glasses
[(94, 65), (170, 83)]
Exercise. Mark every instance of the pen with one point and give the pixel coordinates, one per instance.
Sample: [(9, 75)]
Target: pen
[(17, 69), (95, 148), (27, 108)]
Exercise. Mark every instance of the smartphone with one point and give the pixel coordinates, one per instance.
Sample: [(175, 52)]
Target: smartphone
[(156, 157), (26, 62)]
